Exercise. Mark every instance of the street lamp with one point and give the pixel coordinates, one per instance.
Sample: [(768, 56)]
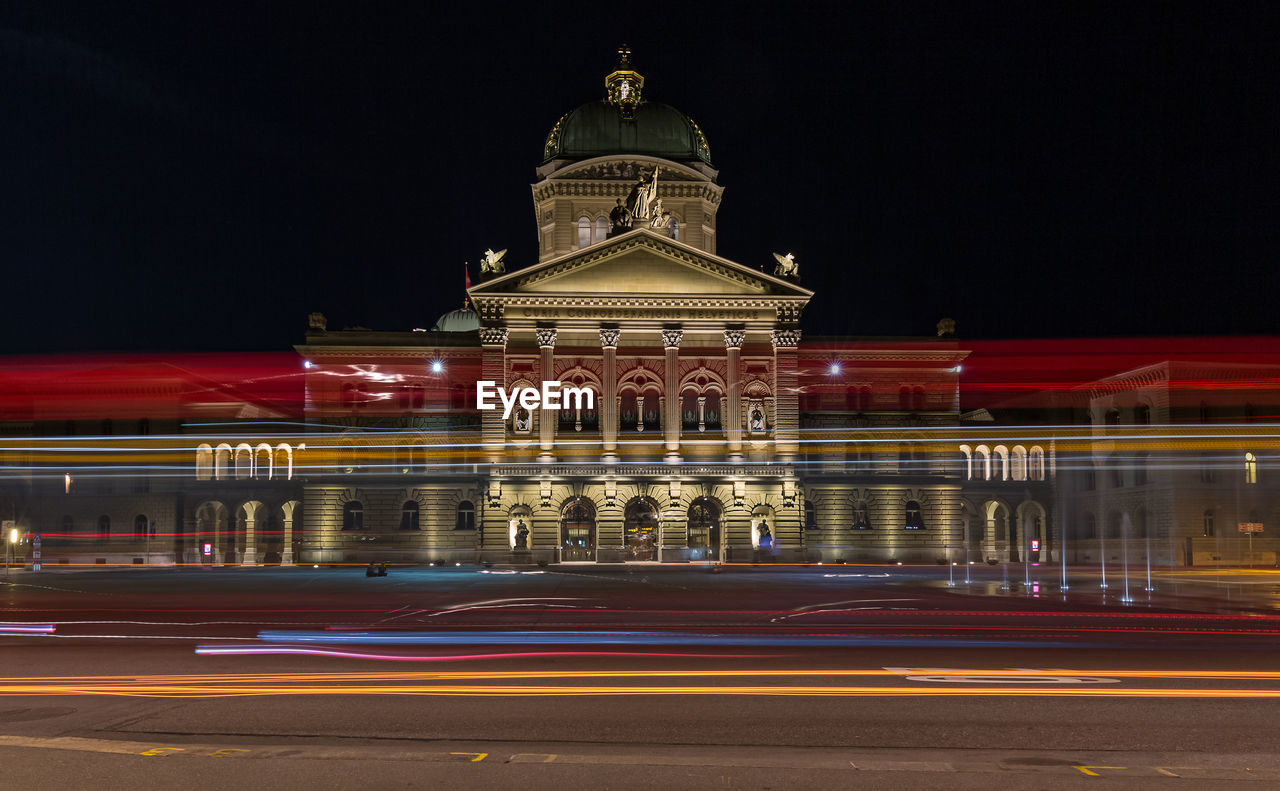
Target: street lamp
[(8, 549)]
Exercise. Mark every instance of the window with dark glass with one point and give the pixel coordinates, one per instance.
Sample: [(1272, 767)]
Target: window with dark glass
[(141, 526), (1207, 526), (810, 516), (353, 516), (913, 520), (104, 525), (409, 515), (466, 516)]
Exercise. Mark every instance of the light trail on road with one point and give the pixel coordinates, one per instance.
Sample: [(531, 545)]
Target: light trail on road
[(988, 683)]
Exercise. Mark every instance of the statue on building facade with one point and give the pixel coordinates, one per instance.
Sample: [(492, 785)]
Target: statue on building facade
[(766, 535), (787, 266), (640, 201), (619, 219), (522, 535), (491, 262)]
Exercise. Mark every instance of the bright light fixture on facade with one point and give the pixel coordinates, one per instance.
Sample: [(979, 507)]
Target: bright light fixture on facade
[(834, 368), (308, 364), (955, 370), (437, 367), (13, 535)]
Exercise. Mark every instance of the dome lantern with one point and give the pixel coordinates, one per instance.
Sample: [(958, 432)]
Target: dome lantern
[(624, 87)]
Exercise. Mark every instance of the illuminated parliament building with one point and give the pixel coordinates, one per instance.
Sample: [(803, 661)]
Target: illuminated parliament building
[(717, 432)]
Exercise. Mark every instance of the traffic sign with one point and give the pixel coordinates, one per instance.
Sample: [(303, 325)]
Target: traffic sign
[(1250, 527)]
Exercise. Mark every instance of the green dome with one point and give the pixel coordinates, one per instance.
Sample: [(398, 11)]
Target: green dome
[(599, 129), (460, 320)]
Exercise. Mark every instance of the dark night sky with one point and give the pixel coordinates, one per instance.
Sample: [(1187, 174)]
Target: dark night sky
[(183, 179)]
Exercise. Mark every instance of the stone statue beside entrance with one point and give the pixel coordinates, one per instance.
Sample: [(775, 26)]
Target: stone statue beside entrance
[(522, 535)]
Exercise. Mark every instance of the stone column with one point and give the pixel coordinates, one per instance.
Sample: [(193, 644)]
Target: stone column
[(286, 554), (608, 406), (547, 417), (493, 367), (786, 402), (671, 412), (730, 408), (250, 540)]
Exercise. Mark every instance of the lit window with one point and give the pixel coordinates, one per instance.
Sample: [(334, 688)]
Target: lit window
[(1250, 468), (1207, 530), (584, 232)]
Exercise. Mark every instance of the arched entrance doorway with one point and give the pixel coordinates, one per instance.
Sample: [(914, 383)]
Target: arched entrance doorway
[(640, 530), (704, 530), (577, 531)]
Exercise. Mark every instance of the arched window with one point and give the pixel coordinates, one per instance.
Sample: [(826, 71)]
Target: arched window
[(262, 462), (466, 516), (968, 462), (711, 410), (983, 456), (244, 461), (204, 462), (104, 525), (1250, 468), (584, 232), (689, 410), (353, 516), (1113, 417), (640, 530), (652, 410), (1035, 463), (1142, 415), (810, 516), (704, 526), (1018, 463), (141, 526), (912, 518), (601, 229), (1206, 529), (861, 516), (409, 515), (222, 462), (1000, 463), (284, 461)]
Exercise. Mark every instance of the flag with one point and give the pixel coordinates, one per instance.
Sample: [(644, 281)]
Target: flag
[(467, 269)]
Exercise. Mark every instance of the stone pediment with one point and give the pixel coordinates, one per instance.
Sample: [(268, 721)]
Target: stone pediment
[(641, 263)]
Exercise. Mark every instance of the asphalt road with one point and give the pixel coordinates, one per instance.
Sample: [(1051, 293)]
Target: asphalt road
[(634, 677)]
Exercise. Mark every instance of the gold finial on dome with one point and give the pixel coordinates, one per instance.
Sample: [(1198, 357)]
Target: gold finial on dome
[(624, 86)]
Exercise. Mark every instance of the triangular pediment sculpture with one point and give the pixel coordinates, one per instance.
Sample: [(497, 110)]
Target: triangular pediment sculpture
[(641, 262)]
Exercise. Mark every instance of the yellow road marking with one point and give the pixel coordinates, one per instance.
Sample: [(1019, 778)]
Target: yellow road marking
[(1088, 769)]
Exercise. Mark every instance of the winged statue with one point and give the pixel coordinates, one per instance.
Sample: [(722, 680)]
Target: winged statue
[(787, 266), (491, 263)]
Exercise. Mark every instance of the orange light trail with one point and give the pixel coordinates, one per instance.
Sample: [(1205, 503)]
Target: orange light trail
[(410, 683)]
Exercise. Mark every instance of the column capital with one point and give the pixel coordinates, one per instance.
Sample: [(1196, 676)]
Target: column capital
[(493, 336), (786, 339), (671, 338), (546, 337), (733, 339), (609, 337)]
